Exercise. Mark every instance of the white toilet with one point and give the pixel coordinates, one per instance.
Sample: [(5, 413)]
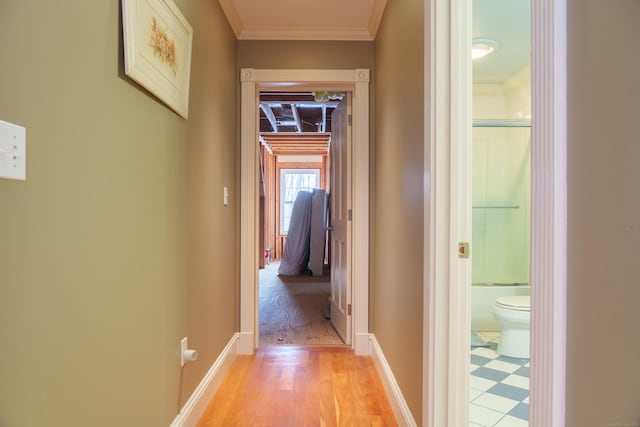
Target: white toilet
[(513, 313)]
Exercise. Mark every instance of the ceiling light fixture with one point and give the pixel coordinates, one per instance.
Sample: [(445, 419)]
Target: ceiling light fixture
[(482, 47)]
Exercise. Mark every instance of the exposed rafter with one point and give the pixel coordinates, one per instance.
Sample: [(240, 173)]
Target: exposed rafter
[(268, 112), (295, 112), (323, 123), (266, 145), (296, 143), (296, 117)]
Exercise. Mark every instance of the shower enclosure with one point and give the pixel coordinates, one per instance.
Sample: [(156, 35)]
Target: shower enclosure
[(501, 215)]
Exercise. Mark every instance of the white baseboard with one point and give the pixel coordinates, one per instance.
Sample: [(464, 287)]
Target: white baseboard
[(361, 344), (194, 407), (246, 343), (396, 399)]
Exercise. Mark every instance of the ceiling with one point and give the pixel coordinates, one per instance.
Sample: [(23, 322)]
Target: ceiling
[(295, 123), (507, 22), (304, 19)]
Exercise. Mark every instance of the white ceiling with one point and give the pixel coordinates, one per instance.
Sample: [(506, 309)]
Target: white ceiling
[(508, 23), (505, 21), (304, 19)]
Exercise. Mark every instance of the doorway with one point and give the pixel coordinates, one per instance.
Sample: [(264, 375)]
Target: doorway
[(294, 291), (448, 93), (252, 82), (501, 180)]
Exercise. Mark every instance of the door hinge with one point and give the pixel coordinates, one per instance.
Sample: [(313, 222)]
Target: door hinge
[(349, 310), (349, 215), (349, 119)]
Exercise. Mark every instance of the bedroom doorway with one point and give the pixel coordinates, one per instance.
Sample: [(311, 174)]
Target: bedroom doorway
[(294, 281), (252, 252)]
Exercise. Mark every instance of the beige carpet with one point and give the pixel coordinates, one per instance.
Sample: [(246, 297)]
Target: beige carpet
[(291, 309)]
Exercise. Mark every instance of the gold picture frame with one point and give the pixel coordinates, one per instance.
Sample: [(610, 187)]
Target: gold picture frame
[(157, 50)]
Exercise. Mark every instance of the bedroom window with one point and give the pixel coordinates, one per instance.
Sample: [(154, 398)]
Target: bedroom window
[(291, 182)]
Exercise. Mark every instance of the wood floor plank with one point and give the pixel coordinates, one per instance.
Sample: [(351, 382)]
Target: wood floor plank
[(288, 385)]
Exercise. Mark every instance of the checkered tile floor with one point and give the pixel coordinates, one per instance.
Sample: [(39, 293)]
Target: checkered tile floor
[(499, 387)]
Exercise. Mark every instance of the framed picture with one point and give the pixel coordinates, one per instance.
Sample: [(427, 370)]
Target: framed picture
[(157, 50)]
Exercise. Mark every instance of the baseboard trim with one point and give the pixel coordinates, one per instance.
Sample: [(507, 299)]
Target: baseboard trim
[(194, 407), (361, 344), (394, 394), (246, 343)]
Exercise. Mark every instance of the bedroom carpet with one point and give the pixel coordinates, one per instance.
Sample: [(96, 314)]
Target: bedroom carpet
[(291, 309)]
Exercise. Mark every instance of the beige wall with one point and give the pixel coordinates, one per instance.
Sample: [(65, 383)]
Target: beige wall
[(111, 251), (397, 250), (603, 378), (305, 54)]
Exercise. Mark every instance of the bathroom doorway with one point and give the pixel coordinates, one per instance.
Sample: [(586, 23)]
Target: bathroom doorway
[(448, 212), (501, 213)]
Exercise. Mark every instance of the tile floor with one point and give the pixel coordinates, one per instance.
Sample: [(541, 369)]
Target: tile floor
[(499, 387)]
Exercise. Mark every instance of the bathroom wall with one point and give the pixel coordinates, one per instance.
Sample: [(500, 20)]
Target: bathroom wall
[(517, 93), (501, 183)]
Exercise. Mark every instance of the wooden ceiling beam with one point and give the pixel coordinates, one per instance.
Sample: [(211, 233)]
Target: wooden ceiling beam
[(297, 143), (289, 136), (300, 153)]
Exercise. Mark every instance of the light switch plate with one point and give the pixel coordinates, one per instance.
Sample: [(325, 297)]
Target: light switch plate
[(13, 151)]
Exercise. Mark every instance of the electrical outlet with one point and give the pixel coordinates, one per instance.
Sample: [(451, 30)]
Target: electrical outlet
[(184, 345), (13, 151)]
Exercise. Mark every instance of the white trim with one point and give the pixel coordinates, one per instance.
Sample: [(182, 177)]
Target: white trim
[(360, 208), (459, 290), (548, 213), (201, 397), (392, 389), (252, 81), (376, 17), (248, 214), (232, 15), (436, 213), (447, 278)]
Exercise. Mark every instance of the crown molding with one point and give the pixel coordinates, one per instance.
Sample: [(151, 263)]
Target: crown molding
[(245, 30)]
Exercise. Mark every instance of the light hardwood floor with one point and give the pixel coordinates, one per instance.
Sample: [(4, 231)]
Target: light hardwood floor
[(288, 385)]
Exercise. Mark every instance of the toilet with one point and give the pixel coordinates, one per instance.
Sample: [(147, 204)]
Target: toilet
[(513, 313)]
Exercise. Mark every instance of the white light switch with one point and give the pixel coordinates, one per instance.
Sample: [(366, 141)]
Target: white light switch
[(225, 192), (13, 151)]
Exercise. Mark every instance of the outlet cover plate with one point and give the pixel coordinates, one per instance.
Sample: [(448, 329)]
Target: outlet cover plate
[(184, 345), (13, 151)]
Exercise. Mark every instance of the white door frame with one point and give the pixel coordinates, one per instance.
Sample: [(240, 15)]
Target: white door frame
[(252, 82), (446, 288)]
